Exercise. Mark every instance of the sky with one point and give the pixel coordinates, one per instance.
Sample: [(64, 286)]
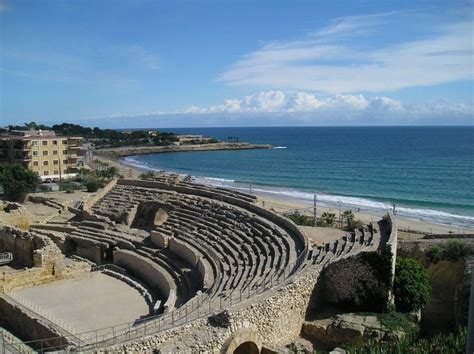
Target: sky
[(144, 63)]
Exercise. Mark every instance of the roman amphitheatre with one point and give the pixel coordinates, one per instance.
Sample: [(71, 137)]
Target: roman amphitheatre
[(168, 265)]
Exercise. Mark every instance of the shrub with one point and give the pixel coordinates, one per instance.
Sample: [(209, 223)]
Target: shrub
[(301, 219), (106, 172), (327, 219), (92, 185), (411, 285), (147, 175), (395, 321), (451, 343), (434, 254), (453, 250), (17, 181), (351, 222), (69, 185)]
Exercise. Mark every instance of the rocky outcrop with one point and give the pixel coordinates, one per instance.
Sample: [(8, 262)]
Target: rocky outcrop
[(346, 329)]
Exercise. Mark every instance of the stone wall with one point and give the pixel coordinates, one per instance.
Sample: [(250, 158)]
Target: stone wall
[(40, 255), (28, 326), (362, 282), (99, 195), (275, 317), (21, 244), (148, 272), (358, 283)]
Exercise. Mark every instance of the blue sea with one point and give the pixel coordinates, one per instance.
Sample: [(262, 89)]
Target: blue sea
[(427, 172)]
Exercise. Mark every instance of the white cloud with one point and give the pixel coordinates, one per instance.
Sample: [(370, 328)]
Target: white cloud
[(300, 107), (327, 61), (280, 108), (276, 101)]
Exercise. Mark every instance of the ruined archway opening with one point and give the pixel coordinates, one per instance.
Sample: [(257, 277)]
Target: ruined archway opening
[(247, 348), (109, 254), (149, 214)]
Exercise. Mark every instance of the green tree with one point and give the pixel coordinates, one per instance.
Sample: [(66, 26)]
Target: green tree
[(455, 250), (351, 222), (328, 218), (349, 216), (434, 253), (301, 219), (452, 250), (147, 175), (411, 286), (17, 181), (92, 186)]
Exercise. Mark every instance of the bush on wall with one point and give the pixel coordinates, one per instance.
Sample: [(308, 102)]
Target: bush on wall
[(411, 285)]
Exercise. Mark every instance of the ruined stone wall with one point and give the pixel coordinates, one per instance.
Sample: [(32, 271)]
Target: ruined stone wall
[(359, 283), (99, 195), (20, 243), (28, 326), (362, 282), (40, 255), (150, 273)]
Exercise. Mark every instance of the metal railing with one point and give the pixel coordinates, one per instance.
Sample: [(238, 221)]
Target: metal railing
[(201, 306), (6, 257), (11, 344)]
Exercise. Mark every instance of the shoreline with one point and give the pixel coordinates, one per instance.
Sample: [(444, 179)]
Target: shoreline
[(281, 204), (144, 150)]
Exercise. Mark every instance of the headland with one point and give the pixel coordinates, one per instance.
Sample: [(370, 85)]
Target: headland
[(142, 150)]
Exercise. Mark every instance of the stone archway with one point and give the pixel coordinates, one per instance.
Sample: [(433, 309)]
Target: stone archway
[(247, 348), (244, 341)]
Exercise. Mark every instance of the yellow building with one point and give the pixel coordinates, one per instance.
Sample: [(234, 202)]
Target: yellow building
[(43, 152)]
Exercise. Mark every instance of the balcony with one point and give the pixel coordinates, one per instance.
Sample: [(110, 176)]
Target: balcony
[(74, 142), (18, 145), (22, 157), (73, 149)]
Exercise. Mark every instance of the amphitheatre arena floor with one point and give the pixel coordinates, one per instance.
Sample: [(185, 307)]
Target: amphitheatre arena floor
[(87, 303)]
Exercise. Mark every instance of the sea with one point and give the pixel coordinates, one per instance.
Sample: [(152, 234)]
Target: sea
[(423, 173)]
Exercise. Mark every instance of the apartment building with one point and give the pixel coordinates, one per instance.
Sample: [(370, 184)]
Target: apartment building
[(43, 152)]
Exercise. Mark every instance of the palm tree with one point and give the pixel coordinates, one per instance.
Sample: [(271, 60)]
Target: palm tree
[(349, 216), (328, 218), (31, 125)]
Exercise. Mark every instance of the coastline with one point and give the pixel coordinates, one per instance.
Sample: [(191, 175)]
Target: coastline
[(143, 150), (411, 228)]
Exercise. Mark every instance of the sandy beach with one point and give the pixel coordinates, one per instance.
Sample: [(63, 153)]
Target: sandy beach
[(410, 229)]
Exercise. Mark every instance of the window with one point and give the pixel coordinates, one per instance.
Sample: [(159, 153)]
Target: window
[(45, 153), (56, 172), (65, 162), (55, 162), (45, 173), (64, 152), (45, 163), (34, 142), (64, 142), (44, 142), (55, 152), (35, 153), (65, 171), (55, 142), (35, 163)]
